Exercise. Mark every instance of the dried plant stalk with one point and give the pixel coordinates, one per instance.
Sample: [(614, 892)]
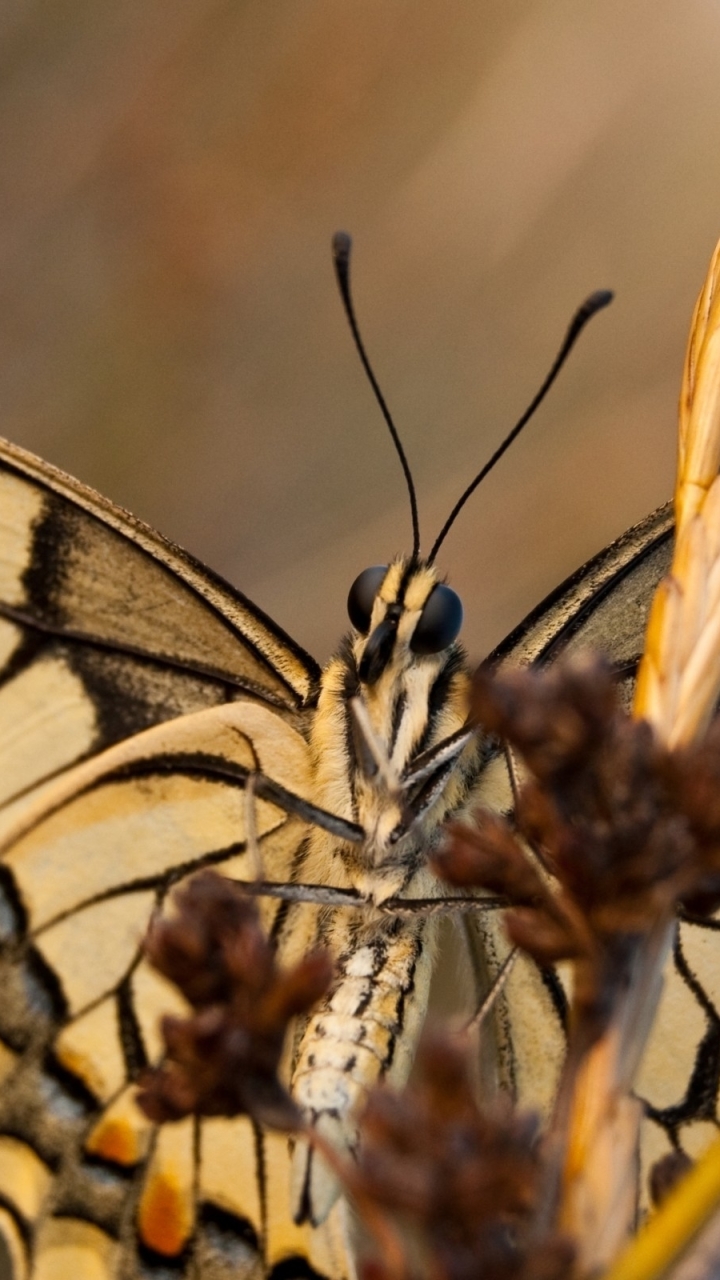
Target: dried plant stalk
[(678, 1224), (677, 689), (679, 678)]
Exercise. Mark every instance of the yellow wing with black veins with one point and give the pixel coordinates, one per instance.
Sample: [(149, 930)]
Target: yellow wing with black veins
[(137, 691), (605, 605)]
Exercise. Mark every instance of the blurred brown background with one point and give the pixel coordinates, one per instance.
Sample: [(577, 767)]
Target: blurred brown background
[(172, 171)]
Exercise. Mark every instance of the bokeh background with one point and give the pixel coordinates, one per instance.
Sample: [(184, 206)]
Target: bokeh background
[(171, 174)]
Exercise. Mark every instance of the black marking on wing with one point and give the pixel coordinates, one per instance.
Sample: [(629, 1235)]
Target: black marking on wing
[(43, 998), (294, 1268), (24, 1229), (556, 991), (567, 617), (45, 1108), (163, 882), (93, 1192), (700, 1101), (28, 649), (161, 1265), (201, 671), (152, 691), (261, 1167), (45, 574), (131, 1041), (706, 922), (217, 767), (13, 916), (66, 1089), (229, 1235), (63, 525), (6, 1263), (95, 1165)]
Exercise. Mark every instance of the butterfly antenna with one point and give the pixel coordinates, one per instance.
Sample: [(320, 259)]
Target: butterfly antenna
[(341, 247), (590, 306)]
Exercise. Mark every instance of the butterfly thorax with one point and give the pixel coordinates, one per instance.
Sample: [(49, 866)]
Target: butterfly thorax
[(383, 710)]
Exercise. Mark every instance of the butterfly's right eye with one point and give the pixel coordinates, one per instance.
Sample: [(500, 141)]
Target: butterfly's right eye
[(362, 596)]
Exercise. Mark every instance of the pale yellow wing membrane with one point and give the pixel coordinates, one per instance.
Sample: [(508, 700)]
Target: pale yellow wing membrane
[(107, 629), (85, 859), (605, 605), (137, 693)]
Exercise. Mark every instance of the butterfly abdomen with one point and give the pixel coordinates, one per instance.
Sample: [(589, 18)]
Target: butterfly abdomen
[(363, 1031)]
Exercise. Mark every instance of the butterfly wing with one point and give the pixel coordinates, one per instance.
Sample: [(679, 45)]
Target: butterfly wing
[(605, 605), (108, 635), (136, 691), (119, 627)]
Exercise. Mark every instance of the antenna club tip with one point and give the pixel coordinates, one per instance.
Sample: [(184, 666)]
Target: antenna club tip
[(599, 299), (341, 246)]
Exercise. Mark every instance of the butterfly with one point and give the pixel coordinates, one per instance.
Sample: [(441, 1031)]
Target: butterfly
[(155, 722)]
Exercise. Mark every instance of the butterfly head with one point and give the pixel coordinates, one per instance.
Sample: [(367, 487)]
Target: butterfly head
[(401, 612)]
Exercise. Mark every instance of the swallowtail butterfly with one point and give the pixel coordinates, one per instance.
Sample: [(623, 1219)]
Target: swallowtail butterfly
[(138, 693)]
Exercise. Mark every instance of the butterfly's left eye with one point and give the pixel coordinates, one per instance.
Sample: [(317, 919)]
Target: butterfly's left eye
[(440, 621), (362, 596)]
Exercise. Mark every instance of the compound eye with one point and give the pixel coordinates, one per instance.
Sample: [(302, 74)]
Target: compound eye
[(440, 621), (362, 596)]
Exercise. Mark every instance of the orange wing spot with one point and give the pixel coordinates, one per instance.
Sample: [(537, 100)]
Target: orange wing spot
[(164, 1220), (116, 1140), (81, 1065)]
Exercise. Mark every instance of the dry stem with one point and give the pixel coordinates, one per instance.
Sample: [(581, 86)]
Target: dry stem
[(677, 689)]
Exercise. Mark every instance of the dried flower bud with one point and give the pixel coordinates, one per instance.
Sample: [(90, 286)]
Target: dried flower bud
[(463, 1184), (666, 1173), (224, 1058), (545, 935), (555, 716), (488, 853), (624, 826)]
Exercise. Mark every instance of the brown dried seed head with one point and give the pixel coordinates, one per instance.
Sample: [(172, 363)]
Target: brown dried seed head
[(666, 1173), (463, 1184), (487, 854), (224, 1058), (553, 716)]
